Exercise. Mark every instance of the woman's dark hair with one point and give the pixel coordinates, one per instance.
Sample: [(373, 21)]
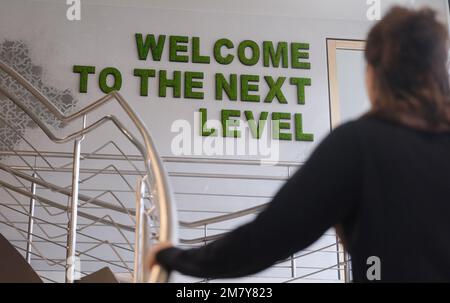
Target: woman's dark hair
[(408, 51)]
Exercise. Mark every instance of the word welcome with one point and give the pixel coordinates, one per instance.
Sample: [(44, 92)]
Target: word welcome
[(224, 51)]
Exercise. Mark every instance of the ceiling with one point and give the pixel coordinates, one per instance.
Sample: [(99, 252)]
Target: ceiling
[(310, 9)]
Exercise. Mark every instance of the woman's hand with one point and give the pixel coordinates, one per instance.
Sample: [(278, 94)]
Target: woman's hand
[(151, 258)]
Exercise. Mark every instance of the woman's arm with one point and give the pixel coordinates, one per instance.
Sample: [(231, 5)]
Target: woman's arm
[(323, 193)]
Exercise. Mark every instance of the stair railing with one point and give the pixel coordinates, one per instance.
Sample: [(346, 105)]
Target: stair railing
[(155, 178)]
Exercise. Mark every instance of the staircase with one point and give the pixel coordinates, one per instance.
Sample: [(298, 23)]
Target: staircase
[(59, 211)]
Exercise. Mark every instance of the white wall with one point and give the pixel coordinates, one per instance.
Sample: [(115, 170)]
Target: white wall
[(104, 37)]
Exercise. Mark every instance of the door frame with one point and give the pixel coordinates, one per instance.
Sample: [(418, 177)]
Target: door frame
[(333, 45)]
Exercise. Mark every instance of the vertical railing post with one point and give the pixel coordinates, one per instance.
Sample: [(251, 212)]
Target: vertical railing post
[(347, 268), (30, 222), (343, 262), (293, 267), (71, 261), (205, 234), (139, 240), (292, 259)]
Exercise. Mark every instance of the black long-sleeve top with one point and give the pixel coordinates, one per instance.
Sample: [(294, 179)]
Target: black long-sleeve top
[(386, 185)]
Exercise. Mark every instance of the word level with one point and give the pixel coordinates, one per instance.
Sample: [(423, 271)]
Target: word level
[(283, 128)]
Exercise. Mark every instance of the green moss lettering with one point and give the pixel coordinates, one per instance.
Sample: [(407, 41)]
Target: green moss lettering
[(299, 134), (300, 83), (256, 127), (191, 82), (84, 72), (254, 49), (196, 57), (150, 44), (204, 130), (117, 80), (280, 55), (178, 44), (230, 88), (278, 126), (275, 89), (144, 74), (247, 86), (297, 54), (174, 83), (217, 51), (227, 123)]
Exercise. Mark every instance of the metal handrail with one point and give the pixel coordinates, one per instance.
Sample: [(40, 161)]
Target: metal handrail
[(317, 271), (111, 169), (155, 170), (112, 245), (167, 159), (62, 207), (192, 224), (226, 217), (64, 191), (97, 202)]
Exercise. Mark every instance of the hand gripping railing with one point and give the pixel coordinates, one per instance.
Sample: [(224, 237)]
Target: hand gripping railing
[(155, 179)]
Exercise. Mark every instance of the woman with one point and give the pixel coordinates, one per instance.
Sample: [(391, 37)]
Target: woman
[(383, 180)]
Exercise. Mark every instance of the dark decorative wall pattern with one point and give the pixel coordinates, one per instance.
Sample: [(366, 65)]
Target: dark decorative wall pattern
[(17, 55)]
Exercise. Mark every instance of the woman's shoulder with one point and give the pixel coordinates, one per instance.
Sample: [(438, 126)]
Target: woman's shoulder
[(365, 125), (359, 131)]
